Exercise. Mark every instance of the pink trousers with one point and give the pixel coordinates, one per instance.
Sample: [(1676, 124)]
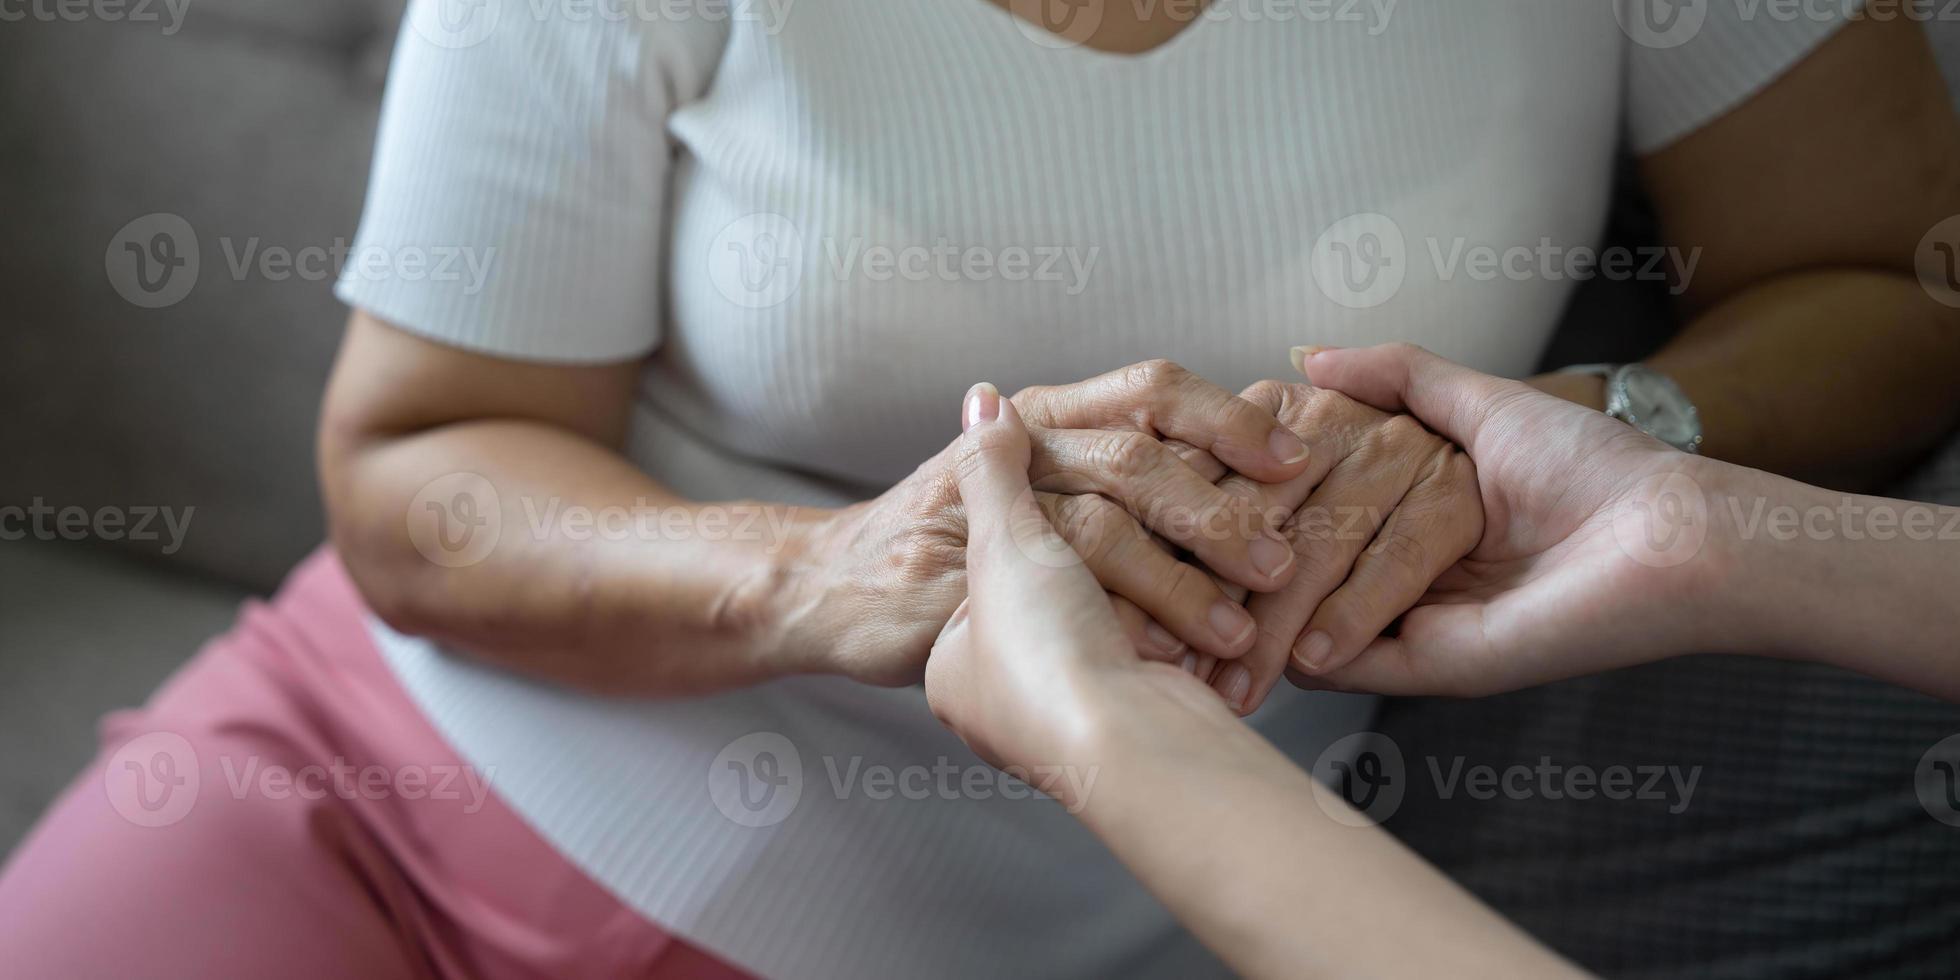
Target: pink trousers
[(281, 809)]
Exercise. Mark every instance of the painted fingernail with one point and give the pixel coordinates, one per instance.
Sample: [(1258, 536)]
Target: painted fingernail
[(1315, 649), (1162, 639), (1190, 664), (982, 405), (1271, 555), (1235, 685), (1232, 624), (1286, 447)]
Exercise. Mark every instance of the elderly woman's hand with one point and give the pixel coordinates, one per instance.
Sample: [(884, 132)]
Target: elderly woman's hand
[(1383, 508), (869, 587)]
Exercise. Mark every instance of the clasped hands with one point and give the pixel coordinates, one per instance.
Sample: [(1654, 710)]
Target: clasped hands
[(1236, 536)]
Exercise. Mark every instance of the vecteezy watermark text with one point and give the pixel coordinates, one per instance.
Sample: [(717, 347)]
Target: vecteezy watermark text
[(169, 13), (758, 780), (43, 521), (1368, 777), (156, 779), (156, 260), (761, 260)]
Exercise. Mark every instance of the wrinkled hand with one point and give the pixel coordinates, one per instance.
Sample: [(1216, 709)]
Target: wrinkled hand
[(1383, 508), (1590, 525), (871, 587)]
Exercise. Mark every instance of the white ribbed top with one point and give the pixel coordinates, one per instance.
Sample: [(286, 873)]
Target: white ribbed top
[(826, 225)]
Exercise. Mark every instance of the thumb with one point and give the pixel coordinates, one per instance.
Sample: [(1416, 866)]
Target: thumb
[(1015, 560), (992, 466), (1449, 398)]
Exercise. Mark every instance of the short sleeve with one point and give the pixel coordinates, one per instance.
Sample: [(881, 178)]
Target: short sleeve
[(515, 204), (1691, 61)]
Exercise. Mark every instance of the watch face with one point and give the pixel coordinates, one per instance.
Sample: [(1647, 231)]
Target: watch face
[(1660, 407)]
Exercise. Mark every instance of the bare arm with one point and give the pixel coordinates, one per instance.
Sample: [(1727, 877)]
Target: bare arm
[(1297, 884), (403, 413), (1808, 329), (485, 503)]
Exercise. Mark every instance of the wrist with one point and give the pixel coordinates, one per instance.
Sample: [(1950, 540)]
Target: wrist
[(777, 606), (1756, 563)]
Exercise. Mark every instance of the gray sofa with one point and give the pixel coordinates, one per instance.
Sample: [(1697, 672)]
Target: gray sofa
[(251, 121)]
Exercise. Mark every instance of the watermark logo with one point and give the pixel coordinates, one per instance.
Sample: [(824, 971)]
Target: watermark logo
[(456, 520), (1661, 23), (153, 779), (757, 261), (153, 261), (1938, 262), (1057, 23), (1360, 260), (1368, 779), (1366, 772), (757, 780), (1664, 522), (1937, 781), (455, 23)]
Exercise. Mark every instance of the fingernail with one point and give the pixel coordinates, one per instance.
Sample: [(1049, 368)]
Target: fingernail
[(982, 405), (1301, 354), (1286, 447), (1270, 554), (1190, 664), (1232, 624), (1235, 685), (1315, 649), (1162, 639)]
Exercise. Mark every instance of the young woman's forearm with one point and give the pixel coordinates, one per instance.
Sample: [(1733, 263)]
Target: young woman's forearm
[(1865, 583), (537, 549), (1244, 849)]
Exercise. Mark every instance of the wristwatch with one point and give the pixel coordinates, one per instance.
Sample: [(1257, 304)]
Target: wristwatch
[(1649, 401)]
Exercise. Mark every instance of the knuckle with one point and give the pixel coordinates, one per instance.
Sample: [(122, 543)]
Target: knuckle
[(1127, 457), (1183, 584), (1157, 373), (1270, 395), (1091, 525), (1404, 430), (1400, 548)]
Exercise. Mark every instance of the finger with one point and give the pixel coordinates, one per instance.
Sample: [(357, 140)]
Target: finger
[(1161, 398), (1330, 531), (1130, 563), (1448, 397), (1207, 465), (1441, 651), (1438, 523), (1145, 476), (1151, 639), (1018, 568), (1331, 424)]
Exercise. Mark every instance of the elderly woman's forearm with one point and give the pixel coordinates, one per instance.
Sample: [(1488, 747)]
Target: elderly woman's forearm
[(541, 551)]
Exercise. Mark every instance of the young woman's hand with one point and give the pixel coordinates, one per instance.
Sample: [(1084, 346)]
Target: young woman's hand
[(867, 589), (1591, 556), (1034, 661), (1382, 509)]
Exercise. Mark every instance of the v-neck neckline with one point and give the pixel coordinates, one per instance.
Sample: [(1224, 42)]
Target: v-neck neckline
[(1005, 13)]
